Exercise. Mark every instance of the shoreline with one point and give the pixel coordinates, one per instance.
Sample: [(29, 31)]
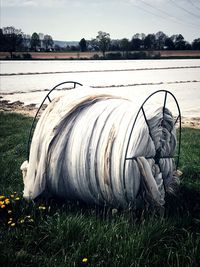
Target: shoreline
[(31, 109)]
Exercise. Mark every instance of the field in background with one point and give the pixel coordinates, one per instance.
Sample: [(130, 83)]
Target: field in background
[(55, 234), (88, 55)]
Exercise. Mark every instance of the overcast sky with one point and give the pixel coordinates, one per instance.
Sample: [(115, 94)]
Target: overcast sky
[(71, 20)]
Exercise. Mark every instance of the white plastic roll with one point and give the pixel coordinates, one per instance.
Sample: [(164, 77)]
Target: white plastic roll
[(79, 145)]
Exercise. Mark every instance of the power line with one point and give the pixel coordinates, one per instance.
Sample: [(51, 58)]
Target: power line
[(158, 9), (169, 16), (187, 11), (194, 4), (149, 12)]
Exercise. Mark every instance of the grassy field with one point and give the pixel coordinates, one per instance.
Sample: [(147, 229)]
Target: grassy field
[(70, 234)]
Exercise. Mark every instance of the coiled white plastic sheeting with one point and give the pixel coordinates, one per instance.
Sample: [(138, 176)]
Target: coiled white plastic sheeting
[(79, 146)]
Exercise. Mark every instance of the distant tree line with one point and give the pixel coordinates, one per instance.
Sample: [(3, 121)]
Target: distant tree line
[(13, 40), (140, 42)]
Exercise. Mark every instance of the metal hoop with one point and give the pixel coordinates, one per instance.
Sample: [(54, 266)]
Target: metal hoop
[(46, 97), (141, 109)]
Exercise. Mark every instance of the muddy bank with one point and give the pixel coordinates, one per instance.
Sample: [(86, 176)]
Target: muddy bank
[(30, 110), (19, 107)]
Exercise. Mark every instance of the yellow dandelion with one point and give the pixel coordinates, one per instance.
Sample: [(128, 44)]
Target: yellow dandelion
[(13, 224), (42, 208), (2, 197), (7, 201), (84, 260), (1, 203), (3, 206), (17, 198)]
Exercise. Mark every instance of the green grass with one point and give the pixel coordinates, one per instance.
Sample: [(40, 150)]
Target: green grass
[(62, 234)]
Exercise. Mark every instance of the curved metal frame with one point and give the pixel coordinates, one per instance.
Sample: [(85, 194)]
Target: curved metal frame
[(46, 97), (141, 109)]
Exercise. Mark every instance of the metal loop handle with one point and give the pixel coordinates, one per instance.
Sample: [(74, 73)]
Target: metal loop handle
[(46, 97)]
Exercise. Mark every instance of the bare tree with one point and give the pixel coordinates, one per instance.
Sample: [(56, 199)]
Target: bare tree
[(150, 41), (83, 45), (13, 39), (196, 44), (48, 42), (160, 39), (125, 45), (35, 41), (103, 39)]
